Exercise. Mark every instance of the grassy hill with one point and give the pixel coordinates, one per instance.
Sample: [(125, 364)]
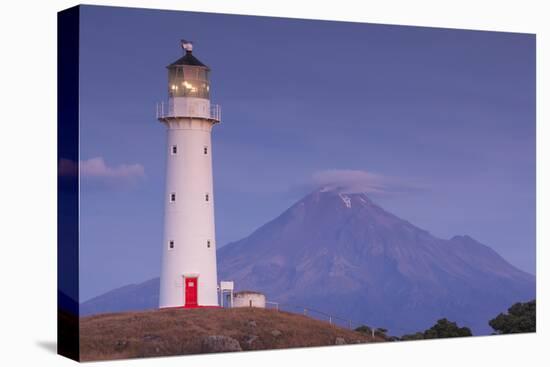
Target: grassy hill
[(192, 331)]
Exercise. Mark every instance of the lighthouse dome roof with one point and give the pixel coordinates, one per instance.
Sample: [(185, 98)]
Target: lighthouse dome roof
[(188, 59)]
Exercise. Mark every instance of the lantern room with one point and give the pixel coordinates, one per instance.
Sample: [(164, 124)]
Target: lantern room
[(187, 76), (188, 90)]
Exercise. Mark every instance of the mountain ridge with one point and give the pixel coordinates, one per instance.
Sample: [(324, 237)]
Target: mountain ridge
[(343, 254)]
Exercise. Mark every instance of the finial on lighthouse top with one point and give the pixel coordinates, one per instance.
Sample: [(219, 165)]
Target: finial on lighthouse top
[(187, 45), (188, 59)]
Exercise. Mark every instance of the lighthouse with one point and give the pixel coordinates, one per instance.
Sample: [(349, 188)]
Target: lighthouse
[(188, 275)]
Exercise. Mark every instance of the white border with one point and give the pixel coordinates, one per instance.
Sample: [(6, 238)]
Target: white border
[(27, 235)]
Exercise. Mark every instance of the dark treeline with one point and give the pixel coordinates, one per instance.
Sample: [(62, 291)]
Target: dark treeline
[(520, 318)]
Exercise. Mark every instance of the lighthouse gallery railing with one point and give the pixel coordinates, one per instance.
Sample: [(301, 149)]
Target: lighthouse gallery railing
[(166, 110)]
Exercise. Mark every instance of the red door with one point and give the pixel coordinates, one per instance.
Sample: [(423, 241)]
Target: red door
[(191, 286)]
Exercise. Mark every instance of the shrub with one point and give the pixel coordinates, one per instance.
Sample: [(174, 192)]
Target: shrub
[(521, 318)]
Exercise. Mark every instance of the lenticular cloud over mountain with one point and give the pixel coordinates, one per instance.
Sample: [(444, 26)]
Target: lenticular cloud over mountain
[(360, 181)]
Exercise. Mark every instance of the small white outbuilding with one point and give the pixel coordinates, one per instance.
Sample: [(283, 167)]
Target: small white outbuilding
[(249, 299)]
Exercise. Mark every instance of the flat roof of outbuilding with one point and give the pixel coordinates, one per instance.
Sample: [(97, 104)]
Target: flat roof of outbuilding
[(248, 292)]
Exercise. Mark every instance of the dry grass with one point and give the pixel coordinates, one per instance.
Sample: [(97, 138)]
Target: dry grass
[(181, 331)]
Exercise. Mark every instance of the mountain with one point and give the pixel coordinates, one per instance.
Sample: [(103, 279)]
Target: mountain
[(133, 297), (344, 255)]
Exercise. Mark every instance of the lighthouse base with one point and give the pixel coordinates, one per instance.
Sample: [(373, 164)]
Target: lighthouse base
[(187, 307)]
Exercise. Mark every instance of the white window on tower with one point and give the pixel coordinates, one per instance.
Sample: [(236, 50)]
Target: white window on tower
[(170, 244), (173, 197), (208, 243), (205, 150), (206, 197), (174, 149)]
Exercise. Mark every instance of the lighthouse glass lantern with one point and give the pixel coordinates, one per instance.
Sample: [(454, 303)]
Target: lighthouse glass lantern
[(188, 87), (188, 80), (188, 274)]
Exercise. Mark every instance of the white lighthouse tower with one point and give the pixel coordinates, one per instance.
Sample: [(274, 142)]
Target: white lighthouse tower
[(188, 275)]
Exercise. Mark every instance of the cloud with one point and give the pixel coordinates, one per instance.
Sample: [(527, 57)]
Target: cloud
[(355, 181), (96, 172), (96, 167)]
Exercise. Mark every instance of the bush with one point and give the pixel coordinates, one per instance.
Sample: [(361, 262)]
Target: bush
[(381, 333), (364, 329), (521, 318), (416, 336), (442, 329), (446, 329)]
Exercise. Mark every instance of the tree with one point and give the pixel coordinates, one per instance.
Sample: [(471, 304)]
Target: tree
[(381, 332), (443, 328), (446, 329), (416, 336), (364, 329), (521, 318)]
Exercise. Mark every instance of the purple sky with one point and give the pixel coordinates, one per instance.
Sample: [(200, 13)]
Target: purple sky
[(437, 124)]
